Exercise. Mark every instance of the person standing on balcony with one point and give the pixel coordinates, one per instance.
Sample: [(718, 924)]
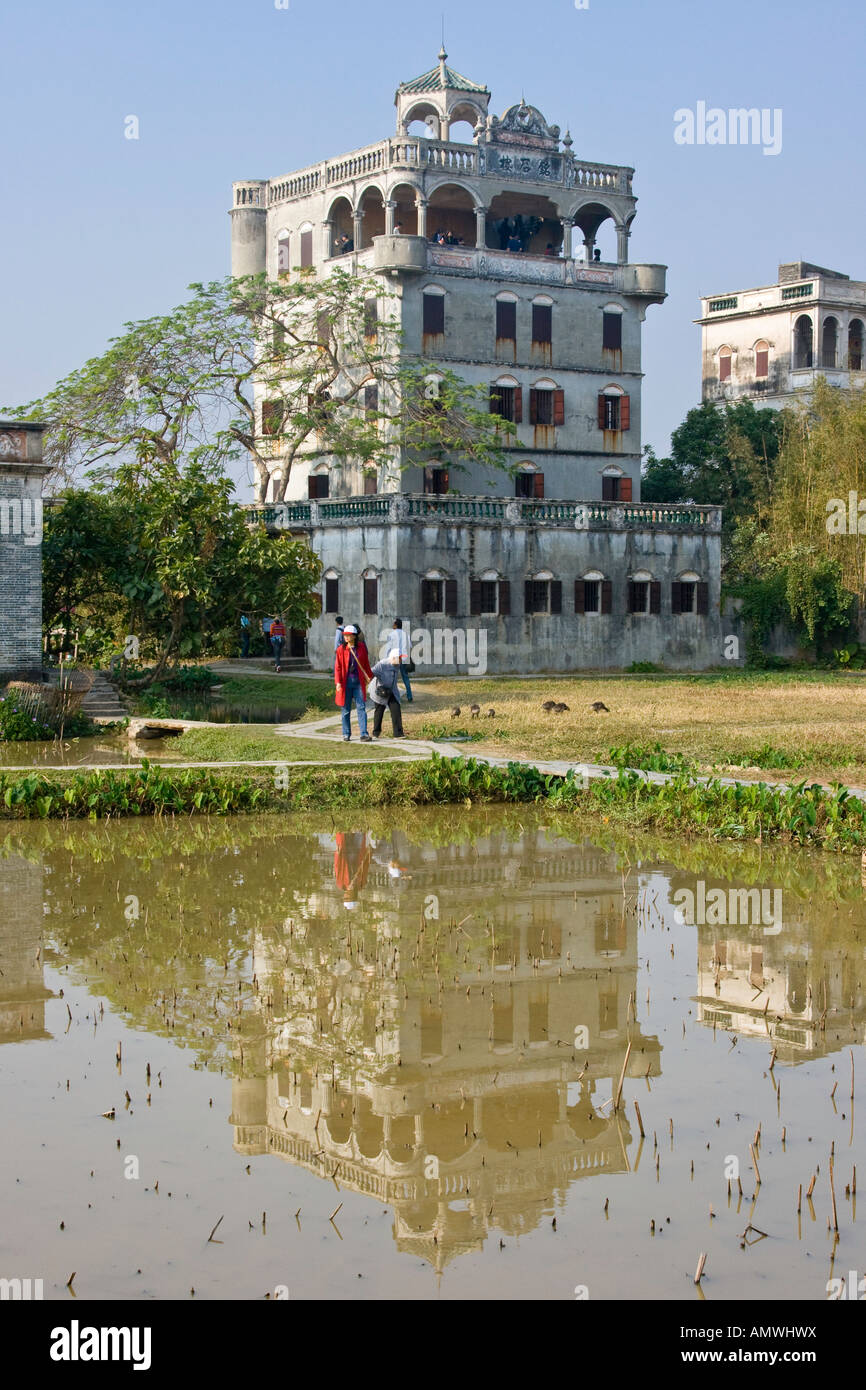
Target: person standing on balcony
[(278, 637), (351, 674), (398, 644)]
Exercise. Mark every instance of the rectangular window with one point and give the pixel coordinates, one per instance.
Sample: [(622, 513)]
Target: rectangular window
[(529, 485), (611, 331), (371, 595), (306, 249), (638, 596), (317, 485), (435, 480), (537, 596), (332, 595), (488, 595), (432, 596), (434, 315), (371, 320), (371, 399), (610, 489), (542, 323), (370, 485), (506, 319), (272, 417), (592, 596), (725, 367), (541, 407), (503, 402), (610, 419)]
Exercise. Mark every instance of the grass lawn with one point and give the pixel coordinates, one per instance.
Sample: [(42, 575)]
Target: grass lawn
[(785, 726), (255, 742)]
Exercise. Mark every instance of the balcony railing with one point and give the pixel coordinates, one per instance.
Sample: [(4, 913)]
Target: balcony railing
[(402, 508)]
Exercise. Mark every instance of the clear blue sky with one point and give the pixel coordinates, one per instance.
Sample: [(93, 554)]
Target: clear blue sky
[(98, 229)]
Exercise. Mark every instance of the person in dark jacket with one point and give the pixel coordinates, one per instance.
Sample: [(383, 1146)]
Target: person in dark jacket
[(384, 692)]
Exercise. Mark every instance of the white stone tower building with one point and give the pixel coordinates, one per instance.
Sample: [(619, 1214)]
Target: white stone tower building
[(488, 252)]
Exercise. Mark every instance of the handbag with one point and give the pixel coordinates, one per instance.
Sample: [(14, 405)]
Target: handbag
[(409, 665)]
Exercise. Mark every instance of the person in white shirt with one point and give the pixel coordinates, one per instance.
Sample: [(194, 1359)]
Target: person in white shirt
[(399, 642)]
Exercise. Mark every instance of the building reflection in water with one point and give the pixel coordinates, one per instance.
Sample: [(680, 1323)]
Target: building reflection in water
[(458, 1066), (22, 990)]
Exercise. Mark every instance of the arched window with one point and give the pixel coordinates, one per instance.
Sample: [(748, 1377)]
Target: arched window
[(438, 593), (855, 345), (762, 359), (529, 481), (332, 591), (543, 594), (611, 333), (546, 404), (489, 595), (306, 233), (542, 328), (370, 579), (284, 245), (506, 399), (644, 594), (802, 342), (724, 364), (614, 412), (829, 338), (688, 594), (593, 594), (318, 483), (506, 325), (615, 485)]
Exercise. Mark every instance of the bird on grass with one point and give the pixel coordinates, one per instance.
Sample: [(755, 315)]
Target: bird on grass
[(599, 707), (491, 714), (548, 706), (455, 713), (475, 710), (560, 709)]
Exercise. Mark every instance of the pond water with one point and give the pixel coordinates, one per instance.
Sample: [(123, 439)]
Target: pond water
[(422, 1032)]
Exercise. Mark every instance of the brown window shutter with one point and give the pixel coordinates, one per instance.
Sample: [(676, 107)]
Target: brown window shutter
[(542, 323), (624, 413), (371, 595), (601, 407), (451, 598), (556, 595), (474, 597), (306, 249), (518, 405), (611, 331), (579, 596), (332, 595), (312, 487), (533, 406), (504, 598), (625, 489), (538, 485), (610, 489), (632, 596), (527, 596), (703, 599), (434, 313), (425, 607), (559, 407), (370, 485), (655, 597), (506, 319), (606, 596), (676, 598), (493, 405)]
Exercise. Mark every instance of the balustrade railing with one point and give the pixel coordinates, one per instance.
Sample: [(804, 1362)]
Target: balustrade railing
[(400, 507)]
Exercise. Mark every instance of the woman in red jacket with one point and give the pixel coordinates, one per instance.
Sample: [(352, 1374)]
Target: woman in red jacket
[(351, 674)]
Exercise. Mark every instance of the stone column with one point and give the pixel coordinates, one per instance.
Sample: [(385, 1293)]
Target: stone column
[(328, 248), (357, 229), (422, 216), (481, 227), (21, 473), (622, 236), (390, 208), (567, 229), (589, 243)]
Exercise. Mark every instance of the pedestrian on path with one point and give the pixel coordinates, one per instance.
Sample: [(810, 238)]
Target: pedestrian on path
[(338, 634), (399, 642), (245, 636), (266, 634), (383, 692), (278, 637), (351, 674)]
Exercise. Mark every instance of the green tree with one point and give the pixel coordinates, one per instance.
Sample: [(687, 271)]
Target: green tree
[(726, 455), (661, 480)]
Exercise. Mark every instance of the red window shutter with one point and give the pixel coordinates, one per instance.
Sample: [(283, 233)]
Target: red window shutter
[(474, 597), (559, 407), (306, 249), (725, 367), (579, 596), (518, 405), (606, 596), (533, 406), (703, 599), (538, 485), (676, 598), (601, 409), (655, 597), (625, 488), (556, 595), (504, 598), (451, 598), (370, 485), (624, 413)]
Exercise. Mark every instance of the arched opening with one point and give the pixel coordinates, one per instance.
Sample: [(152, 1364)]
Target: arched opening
[(451, 216), (802, 342), (855, 345), (595, 234), (463, 122), (445, 1130), (284, 252), (724, 364), (369, 1132), (829, 338), (405, 200), (524, 224), (372, 211), (422, 120), (401, 1142), (342, 230), (762, 359)]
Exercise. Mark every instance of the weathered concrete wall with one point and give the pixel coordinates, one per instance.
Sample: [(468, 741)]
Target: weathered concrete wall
[(21, 474), (400, 555)]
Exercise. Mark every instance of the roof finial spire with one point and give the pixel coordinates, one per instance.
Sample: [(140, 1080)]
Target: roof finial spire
[(442, 54)]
